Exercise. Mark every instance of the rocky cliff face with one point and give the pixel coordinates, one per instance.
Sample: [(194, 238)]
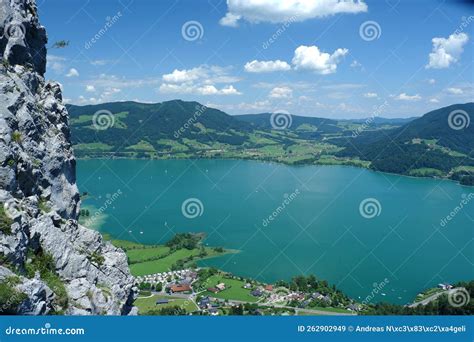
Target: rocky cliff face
[(48, 263)]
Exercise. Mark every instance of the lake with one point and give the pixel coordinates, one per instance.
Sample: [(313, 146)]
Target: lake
[(352, 227)]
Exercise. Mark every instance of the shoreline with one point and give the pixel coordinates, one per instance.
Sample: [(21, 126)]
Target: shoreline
[(290, 164), (111, 239)]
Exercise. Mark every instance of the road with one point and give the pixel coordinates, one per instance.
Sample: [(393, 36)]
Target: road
[(297, 310), (431, 298)]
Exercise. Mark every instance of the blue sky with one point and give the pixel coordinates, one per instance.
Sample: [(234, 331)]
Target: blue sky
[(309, 58)]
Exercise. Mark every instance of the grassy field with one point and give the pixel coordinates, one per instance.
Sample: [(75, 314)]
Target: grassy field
[(234, 289), (144, 254), (426, 172), (124, 244), (320, 308), (142, 146), (93, 147), (427, 293), (464, 168), (161, 265), (147, 304)]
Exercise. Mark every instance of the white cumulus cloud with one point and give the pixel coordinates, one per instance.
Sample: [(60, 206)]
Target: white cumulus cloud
[(455, 91), (406, 97), (181, 76), (281, 93), (201, 80), (370, 95), (278, 11), (90, 88), (311, 58), (266, 66), (230, 20), (72, 73), (446, 50)]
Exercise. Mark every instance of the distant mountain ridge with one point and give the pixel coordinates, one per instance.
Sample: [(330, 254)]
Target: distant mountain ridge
[(439, 142), (423, 146)]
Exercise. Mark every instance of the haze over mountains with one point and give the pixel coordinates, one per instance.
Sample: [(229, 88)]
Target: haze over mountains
[(425, 146)]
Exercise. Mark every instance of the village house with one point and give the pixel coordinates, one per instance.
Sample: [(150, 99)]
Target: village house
[(181, 288), (220, 287), (445, 286), (353, 307)]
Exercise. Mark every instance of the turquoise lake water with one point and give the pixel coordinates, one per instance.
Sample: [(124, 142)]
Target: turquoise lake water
[(318, 229)]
